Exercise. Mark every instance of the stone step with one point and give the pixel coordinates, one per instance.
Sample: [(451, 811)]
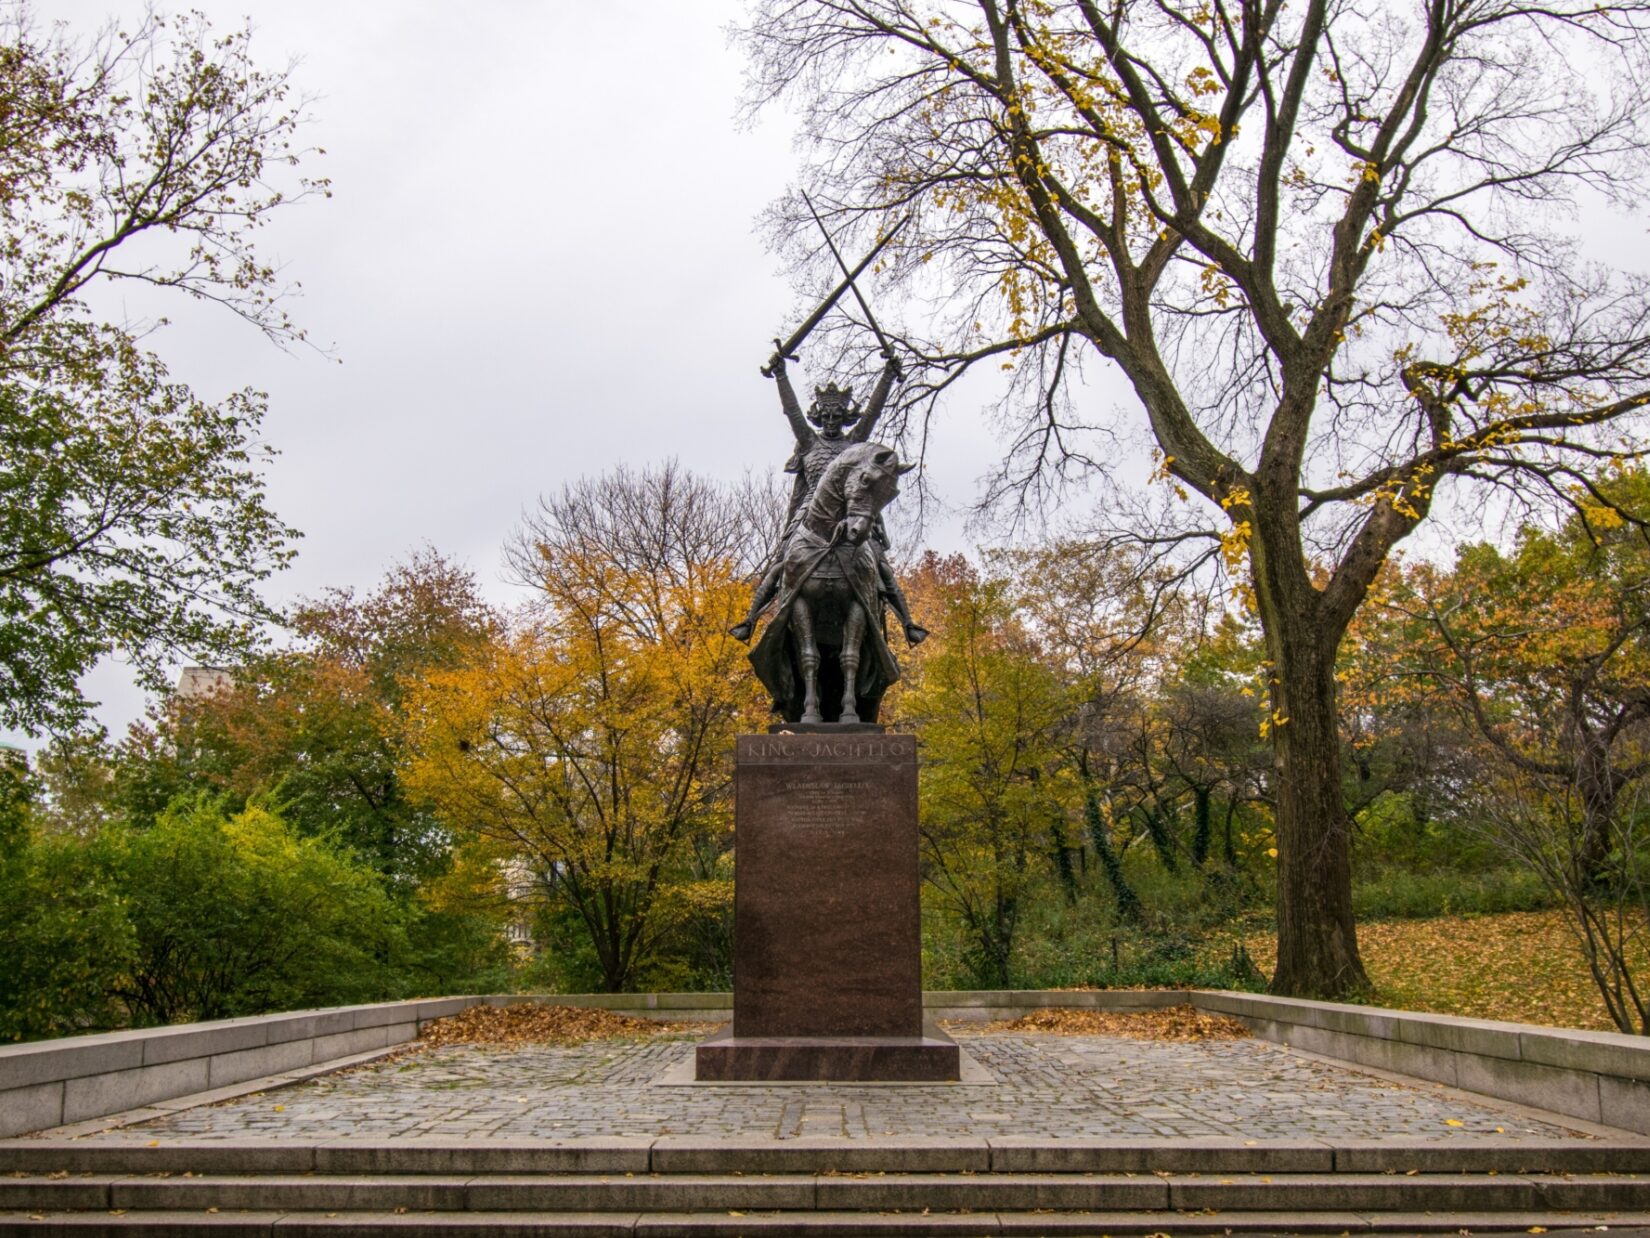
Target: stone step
[(652, 1193), (370, 1224), (698, 1155)]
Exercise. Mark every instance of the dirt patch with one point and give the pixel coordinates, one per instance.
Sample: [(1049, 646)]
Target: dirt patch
[(1182, 1023)]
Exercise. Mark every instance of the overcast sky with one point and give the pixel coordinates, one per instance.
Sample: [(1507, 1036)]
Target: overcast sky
[(539, 260)]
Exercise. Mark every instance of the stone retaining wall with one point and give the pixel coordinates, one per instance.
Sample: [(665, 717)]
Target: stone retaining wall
[(980, 1005), (54, 1082), (1597, 1076)]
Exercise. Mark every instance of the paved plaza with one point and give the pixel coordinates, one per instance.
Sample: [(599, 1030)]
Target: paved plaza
[(1041, 1085)]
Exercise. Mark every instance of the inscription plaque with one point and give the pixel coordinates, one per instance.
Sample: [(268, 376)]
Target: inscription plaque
[(826, 920)]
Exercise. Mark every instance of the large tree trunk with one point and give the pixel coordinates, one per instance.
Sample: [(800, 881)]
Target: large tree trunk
[(1317, 939), (1599, 784)]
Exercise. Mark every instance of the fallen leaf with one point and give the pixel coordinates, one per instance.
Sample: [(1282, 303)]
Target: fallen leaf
[(531, 1023), (1176, 1023), (1521, 966)]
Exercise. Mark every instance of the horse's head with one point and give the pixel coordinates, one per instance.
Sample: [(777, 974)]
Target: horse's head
[(871, 483)]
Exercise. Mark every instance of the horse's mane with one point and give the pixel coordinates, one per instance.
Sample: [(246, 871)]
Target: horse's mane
[(831, 481)]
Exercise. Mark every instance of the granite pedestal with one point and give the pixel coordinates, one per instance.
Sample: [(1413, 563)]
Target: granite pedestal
[(827, 972)]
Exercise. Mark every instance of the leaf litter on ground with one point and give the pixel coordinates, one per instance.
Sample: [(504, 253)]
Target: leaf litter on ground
[(1516, 966), (1177, 1023), (528, 1023)]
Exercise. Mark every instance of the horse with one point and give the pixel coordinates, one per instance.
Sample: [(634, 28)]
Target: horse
[(830, 601)]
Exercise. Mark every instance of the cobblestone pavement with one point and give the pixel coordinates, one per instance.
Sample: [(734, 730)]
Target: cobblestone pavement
[(1050, 1086)]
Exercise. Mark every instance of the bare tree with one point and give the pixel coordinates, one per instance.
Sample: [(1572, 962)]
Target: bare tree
[(1545, 823), (1330, 246), (665, 524)]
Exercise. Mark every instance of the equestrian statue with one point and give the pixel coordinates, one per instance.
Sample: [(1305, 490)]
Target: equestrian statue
[(824, 657)]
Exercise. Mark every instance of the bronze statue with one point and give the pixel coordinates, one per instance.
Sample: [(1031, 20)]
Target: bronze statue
[(833, 411), (831, 560), (826, 641)]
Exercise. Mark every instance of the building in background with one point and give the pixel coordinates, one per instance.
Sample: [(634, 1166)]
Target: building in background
[(196, 682)]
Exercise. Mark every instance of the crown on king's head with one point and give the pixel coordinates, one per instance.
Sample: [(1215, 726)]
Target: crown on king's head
[(830, 393), (838, 399)]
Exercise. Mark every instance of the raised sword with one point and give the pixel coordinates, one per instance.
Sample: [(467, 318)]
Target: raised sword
[(788, 348), (882, 340)]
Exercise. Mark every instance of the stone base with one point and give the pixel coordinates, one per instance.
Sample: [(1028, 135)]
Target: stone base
[(827, 939), (930, 1058)]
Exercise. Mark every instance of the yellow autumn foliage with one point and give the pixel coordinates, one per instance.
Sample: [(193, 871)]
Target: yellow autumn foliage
[(593, 740)]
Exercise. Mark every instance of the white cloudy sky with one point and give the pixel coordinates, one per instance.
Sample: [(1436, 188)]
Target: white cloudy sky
[(539, 260)]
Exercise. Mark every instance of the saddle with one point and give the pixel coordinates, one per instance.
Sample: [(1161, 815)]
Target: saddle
[(838, 564)]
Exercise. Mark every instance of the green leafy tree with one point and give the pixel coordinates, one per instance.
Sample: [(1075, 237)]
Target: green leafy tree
[(63, 930), (313, 730), (989, 709), (64, 937), (17, 793), (132, 511), (74, 778)]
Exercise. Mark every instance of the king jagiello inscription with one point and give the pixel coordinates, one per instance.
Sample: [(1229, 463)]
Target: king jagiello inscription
[(827, 969)]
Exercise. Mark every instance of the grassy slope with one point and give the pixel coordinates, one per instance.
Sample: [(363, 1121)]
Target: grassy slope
[(1520, 966)]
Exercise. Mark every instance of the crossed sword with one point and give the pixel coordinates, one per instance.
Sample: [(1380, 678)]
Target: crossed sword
[(787, 349)]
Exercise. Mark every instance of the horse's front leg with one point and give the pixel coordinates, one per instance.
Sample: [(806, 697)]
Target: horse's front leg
[(807, 653), (853, 634)]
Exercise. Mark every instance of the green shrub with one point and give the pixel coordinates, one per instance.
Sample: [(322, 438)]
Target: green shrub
[(1402, 894), (1187, 937), (235, 915), (452, 952), (65, 941)]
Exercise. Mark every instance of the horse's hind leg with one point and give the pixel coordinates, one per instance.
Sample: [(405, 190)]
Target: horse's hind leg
[(807, 653), (853, 634)]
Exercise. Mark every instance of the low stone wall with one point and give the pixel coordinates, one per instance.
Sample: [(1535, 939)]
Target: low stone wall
[(975, 1006), (984, 1005), (55, 1082), (665, 1007), (1596, 1076)]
